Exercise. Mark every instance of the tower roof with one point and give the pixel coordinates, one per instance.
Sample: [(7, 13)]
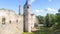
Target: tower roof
[(27, 3)]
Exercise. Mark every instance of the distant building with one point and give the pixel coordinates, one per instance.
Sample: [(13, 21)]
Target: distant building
[(11, 23)]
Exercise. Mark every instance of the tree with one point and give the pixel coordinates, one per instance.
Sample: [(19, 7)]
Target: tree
[(53, 19), (56, 26), (58, 19), (40, 19), (59, 10), (48, 20)]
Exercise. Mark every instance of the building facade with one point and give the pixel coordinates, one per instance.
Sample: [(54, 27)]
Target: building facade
[(12, 23)]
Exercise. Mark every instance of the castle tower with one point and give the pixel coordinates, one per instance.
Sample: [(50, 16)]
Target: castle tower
[(20, 10), (27, 17)]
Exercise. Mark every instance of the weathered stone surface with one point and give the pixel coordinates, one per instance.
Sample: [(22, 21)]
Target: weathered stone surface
[(11, 23), (16, 25)]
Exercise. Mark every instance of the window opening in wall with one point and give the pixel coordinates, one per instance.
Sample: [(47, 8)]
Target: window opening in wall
[(3, 21), (10, 21), (17, 21)]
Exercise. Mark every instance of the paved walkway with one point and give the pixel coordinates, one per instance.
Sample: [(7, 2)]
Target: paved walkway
[(34, 29)]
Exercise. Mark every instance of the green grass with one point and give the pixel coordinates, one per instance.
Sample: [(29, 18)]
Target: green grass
[(27, 33), (43, 30)]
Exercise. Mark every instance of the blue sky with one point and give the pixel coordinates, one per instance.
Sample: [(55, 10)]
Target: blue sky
[(38, 7)]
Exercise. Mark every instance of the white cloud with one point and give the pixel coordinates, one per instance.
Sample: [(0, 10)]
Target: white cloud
[(37, 12), (31, 1), (50, 9), (43, 12)]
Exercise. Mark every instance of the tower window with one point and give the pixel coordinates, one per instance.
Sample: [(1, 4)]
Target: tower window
[(27, 6), (17, 21), (10, 21)]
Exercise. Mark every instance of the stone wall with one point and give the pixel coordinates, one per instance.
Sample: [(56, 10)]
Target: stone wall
[(10, 23)]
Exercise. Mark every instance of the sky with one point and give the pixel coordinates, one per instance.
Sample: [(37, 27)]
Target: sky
[(38, 7)]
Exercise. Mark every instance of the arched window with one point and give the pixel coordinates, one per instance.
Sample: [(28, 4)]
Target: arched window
[(10, 21), (17, 21), (27, 6), (3, 20)]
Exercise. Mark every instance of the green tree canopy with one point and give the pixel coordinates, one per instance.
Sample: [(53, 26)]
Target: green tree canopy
[(40, 19)]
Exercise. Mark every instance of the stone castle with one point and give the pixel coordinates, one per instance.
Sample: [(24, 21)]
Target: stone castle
[(12, 23)]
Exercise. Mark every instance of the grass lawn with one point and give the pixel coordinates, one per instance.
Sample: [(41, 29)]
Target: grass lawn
[(27, 33), (43, 30)]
